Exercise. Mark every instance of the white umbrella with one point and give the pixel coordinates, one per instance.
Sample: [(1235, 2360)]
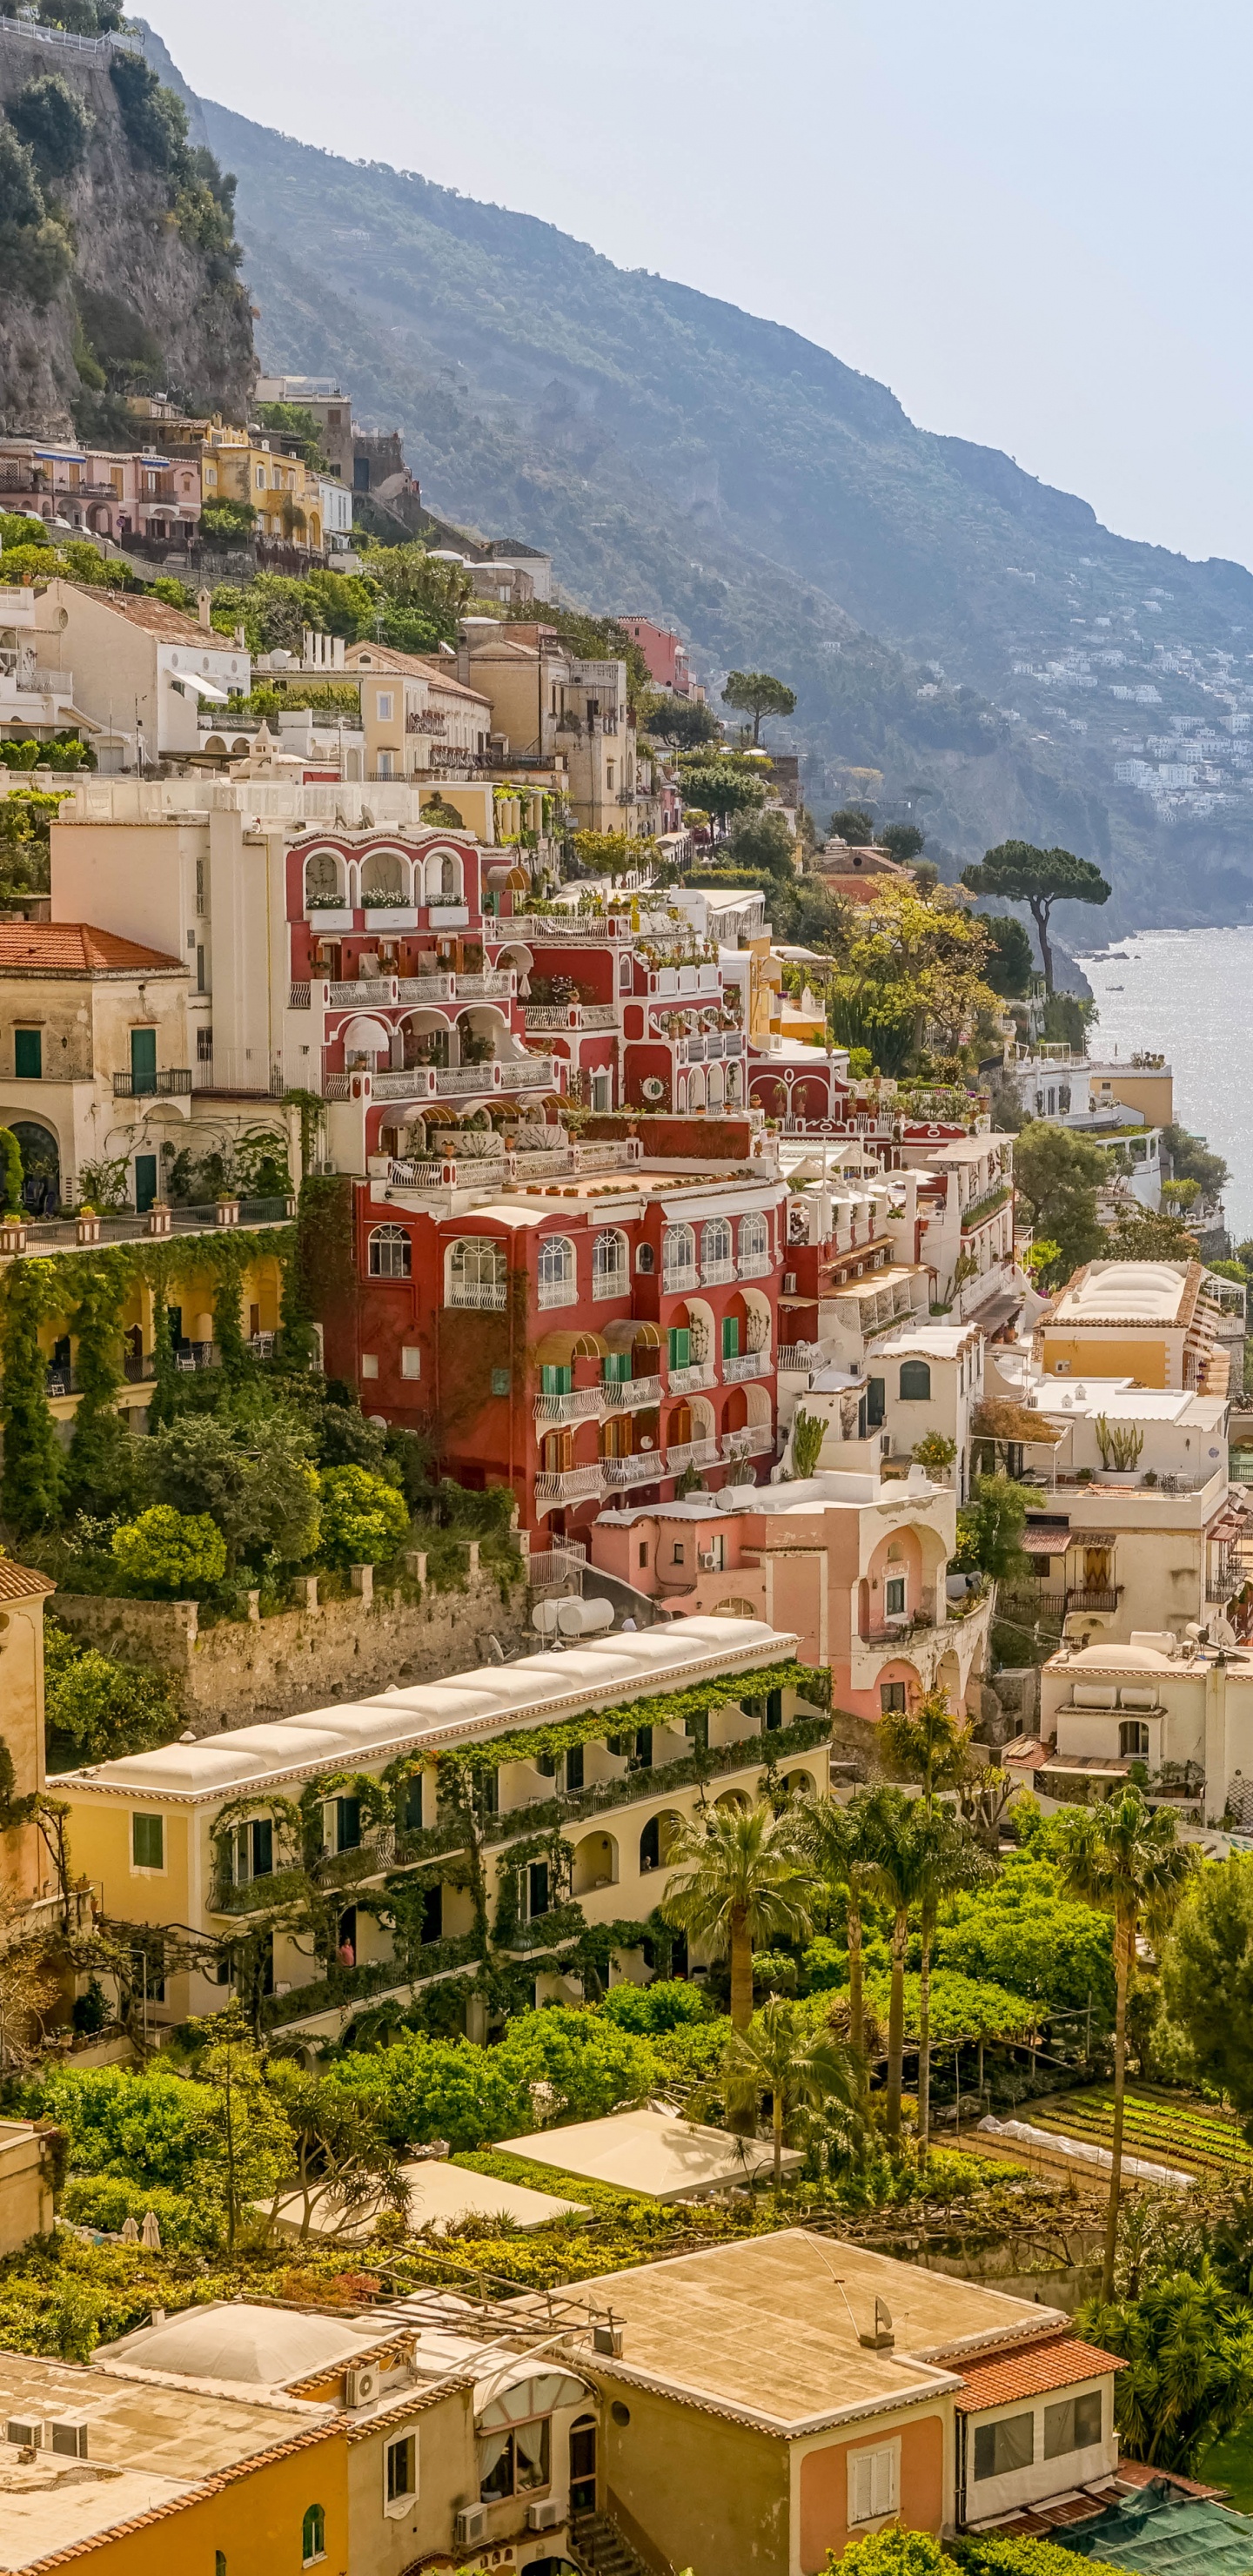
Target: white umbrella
[(130, 2233), (152, 2233)]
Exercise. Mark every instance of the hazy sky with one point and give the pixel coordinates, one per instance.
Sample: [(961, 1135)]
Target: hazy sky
[(1031, 222)]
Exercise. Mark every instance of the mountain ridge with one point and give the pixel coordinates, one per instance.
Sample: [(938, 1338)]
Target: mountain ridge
[(696, 461)]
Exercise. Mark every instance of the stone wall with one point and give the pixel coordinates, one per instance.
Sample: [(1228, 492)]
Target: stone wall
[(238, 1672)]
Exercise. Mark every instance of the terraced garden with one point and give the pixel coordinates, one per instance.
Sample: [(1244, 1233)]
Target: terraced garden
[(1165, 2128)]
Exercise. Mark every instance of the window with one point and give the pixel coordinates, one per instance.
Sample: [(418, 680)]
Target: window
[(876, 1401), (894, 1596), (716, 1244), (402, 2472), (557, 1282), (513, 2463), (583, 2465), (574, 1770), (873, 2483), (891, 1698), (28, 1054), (347, 1824), (1002, 2448), (148, 1842), (774, 1710), (610, 1265), (391, 1252), (1133, 1738), (645, 1261), (476, 1272), (754, 1238), (386, 699), (313, 2535), (556, 1377), (915, 1382), (410, 1361), (219, 2562), (1073, 2425), (369, 1364), (678, 1250), (204, 1046), (538, 1897), (143, 1061), (501, 1381)]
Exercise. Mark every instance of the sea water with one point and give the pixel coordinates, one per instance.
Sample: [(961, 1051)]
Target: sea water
[(1188, 995)]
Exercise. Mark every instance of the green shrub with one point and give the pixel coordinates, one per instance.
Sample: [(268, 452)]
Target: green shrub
[(364, 1519), (17, 529), (54, 121), (187, 2222), (664, 2005), (183, 1553), (155, 120), (104, 1708), (21, 197)]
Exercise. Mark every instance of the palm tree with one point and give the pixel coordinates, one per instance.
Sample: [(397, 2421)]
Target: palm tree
[(927, 1742), (952, 1858), (802, 2070), (743, 1882), (843, 1844), (1124, 1858)]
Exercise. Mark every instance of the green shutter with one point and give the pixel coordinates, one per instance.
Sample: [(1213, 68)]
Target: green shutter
[(28, 1055), (148, 1842), (680, 1346), (730, 1337), (143, 1060)]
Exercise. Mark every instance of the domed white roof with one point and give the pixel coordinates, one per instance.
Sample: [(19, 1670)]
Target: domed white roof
[(262, 2347)]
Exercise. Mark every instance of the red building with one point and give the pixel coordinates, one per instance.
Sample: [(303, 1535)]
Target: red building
[(664, 653)]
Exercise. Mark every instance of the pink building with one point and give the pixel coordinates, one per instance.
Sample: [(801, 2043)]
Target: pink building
[(664, 653), (856, 1567), (102, 491)]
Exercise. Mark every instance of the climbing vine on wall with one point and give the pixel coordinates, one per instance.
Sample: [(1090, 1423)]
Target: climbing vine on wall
[(30, 1485)]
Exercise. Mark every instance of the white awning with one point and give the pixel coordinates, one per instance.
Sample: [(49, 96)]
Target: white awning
[(518, 2391), (203, 688)]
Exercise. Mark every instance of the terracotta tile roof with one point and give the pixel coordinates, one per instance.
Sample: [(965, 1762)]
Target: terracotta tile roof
[(156, 616), (370, 656), (75, 948), (21, 1582), (1059, 2363)]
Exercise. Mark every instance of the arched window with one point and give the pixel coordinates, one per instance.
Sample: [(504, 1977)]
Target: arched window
[(313, 2535), (754, 1243), (391, 1252), (324, 880), (476, 1272), (557, 1277), (384, 878), (678, 1250), (716, 1249), (915, 1382), (611, 1265), (443, 877)]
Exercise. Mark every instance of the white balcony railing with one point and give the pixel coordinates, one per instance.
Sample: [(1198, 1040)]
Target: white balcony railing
[(367, 988), (580, 1404), (631, 1394), (715, 1274), (691, 1380), (754, 1440), (569, 1485), (690, 1453), (755, 1265), (677, 1281), (746, 1364), (486, 1295), (642, 1468)]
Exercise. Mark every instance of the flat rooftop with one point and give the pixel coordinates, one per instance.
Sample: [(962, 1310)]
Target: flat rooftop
[(600, 1672), (764, 2330), (147, 2448), (440, 2196), (650, 2152)]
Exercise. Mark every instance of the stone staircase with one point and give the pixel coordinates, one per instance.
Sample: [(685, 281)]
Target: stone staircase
[(601, 2547)]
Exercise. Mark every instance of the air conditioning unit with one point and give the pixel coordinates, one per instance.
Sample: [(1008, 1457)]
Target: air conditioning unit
[(789, 1283), (608, 2339), (546, 2516), (471, 2526), (361, 2386), (708, 1560), (67, 2434), (26, 2430)]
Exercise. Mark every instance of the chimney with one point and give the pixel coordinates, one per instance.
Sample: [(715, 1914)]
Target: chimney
[(204, 609)]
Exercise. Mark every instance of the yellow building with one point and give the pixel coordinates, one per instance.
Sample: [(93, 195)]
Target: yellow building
[(238, 465), (209, 1279), (1157, 1322)]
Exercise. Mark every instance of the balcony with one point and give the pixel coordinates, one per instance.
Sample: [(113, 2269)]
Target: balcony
[(643, 1467), (743, 1364), (580, 1404), (755, 1440), (542, 1016), (366, 988), (677, 1282), (800, 1359), (716, 1274), (690, 1453), (692, 1380), (569, 1485), (631, 1394), (151, 1086), (485, 1296), (435, 988)]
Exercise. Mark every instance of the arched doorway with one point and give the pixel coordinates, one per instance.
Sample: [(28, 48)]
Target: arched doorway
[(41, 1167)]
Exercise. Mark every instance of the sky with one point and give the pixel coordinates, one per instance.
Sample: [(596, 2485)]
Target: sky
[(1031, 222)]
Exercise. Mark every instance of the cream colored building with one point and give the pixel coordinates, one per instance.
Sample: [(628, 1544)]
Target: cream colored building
[(141, 669), (1158, 1322), (1169, 1707), (94, 1055), (148, 1828)]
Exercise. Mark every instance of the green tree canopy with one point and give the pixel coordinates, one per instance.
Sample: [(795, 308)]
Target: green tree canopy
[(738, 1882), (364, 1519), (250, 1470), (1191, 1160), (990, 1526), (1150, 1234), (1207, 1976), (1020, 1931), (54, 121), (854, 824), (687, 723), (722, 788), (170, 1551), (1189, 2347), (758, 694), (1010, 963), (1059, 1176), (905, 841), (810, 2079), (1020, 873)]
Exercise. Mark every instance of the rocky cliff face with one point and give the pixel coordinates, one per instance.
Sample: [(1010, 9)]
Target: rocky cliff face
[(118, 266)]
